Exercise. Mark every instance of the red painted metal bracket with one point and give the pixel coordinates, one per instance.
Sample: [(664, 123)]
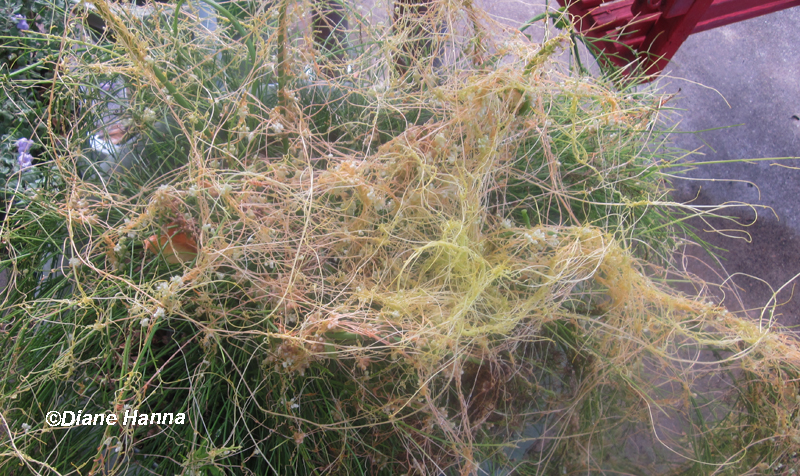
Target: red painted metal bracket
[(643, 35), (725, 12)]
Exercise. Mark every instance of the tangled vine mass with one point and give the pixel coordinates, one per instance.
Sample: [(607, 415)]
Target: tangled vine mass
[(410, 242)]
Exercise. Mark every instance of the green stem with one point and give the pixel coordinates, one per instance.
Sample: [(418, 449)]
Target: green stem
[(533, 20), (526, 218), (162, 78), (251, 49), (175, 18), (540, 17), (26, 68)]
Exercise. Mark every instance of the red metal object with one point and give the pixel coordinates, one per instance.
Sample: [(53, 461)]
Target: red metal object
[(645, 34)]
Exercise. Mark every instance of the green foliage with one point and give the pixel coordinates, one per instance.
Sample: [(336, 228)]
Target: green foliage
[(31, 33)]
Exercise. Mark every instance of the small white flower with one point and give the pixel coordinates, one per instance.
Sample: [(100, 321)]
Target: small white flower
[(507, 223), (440, 140), (177, 280), (149, 115), (160, 312), (535, 237), (118, 248), (74, 262), (26, 427), (277, 127), (145, 322)]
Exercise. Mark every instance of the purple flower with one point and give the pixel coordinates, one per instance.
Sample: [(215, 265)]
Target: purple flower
[(24, 145), (25, 160), (22, 23)]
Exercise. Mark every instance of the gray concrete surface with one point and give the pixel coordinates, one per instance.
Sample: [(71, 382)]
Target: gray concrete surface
[(745, 75)]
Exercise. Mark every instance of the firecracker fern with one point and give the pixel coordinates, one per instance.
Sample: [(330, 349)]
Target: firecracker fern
[(404, 249)]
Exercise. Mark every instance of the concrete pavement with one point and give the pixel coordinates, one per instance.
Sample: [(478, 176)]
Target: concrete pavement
[(744, 80)]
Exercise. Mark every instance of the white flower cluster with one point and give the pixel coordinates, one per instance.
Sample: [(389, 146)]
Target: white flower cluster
[(149, 116), (167, 293), (483, 144), (347, 165), (440, 141), (373, 195), (225, 190), (377, 199), (297, 359), (289, 358), (535, 238), (120, 246)]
